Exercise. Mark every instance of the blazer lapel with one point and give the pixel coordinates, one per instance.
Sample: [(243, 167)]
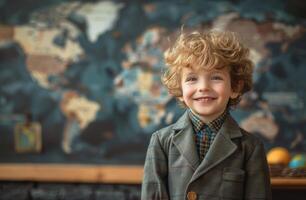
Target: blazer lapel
[(221, 148), (184, 140)]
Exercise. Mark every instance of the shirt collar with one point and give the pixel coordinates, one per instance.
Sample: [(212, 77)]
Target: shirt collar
[(214, 125)]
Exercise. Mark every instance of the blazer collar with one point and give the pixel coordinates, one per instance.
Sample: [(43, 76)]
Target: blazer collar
[(222, 147), (184, 140)]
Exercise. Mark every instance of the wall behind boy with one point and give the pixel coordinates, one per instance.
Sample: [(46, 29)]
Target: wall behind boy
[(89, 70)]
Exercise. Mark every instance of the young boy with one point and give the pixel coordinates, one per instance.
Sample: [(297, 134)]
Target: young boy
[(205, 155)]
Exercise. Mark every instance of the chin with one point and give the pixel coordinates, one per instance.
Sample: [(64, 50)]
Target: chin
[(208, 113)]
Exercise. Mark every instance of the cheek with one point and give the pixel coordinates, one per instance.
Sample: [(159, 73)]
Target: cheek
[(187, 91), (224, 90)]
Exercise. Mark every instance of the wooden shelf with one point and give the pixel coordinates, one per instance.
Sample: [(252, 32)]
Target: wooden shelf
[(71, 173), (98, 174), (288, 182)]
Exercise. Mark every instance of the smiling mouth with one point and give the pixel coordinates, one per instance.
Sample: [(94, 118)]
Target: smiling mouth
[(205, 99)]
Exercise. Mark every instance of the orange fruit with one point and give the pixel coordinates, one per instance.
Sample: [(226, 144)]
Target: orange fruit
[(278, 155)]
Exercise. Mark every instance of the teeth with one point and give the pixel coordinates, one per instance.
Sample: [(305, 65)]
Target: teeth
[(205, 99)]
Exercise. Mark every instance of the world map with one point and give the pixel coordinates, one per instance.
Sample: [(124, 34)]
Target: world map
[(89, 72)]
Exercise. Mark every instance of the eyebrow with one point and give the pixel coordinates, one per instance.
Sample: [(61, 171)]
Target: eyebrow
[(189, 74), (217, 71)]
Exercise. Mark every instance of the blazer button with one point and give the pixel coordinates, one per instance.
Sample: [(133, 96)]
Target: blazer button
[(191, 195)]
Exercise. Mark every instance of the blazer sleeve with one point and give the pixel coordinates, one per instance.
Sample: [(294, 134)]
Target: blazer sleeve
[(257, 184), (154, 184)]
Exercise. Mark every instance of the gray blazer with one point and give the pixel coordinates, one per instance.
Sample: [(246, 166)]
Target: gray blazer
[(235, 166)]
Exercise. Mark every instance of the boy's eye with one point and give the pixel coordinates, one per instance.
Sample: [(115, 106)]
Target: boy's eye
[(188, 79), (216, 77)]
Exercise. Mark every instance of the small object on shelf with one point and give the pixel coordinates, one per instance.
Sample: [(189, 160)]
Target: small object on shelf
[(298, 161), (278, 156), (276, 170), (298, 172), (28, 136), (286, 172)]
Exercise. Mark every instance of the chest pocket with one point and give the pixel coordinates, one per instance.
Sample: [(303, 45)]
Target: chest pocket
[(232, 183)]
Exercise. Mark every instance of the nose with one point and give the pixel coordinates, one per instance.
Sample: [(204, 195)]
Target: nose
[(203, 85)]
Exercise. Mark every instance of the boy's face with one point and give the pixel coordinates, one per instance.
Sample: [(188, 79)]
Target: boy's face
[(206, 92)]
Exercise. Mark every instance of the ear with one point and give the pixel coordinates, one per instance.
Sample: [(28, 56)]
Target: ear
[(237, 90), (234, 95), (181, 99)]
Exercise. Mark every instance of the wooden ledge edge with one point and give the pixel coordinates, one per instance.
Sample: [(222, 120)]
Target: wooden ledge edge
[(281, 182), (72, 173), (114, 174)]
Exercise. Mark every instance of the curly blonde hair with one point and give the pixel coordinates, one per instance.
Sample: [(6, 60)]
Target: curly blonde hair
[(208, 50)]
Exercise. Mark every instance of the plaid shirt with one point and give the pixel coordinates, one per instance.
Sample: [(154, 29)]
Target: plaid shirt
[(205, 133)]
